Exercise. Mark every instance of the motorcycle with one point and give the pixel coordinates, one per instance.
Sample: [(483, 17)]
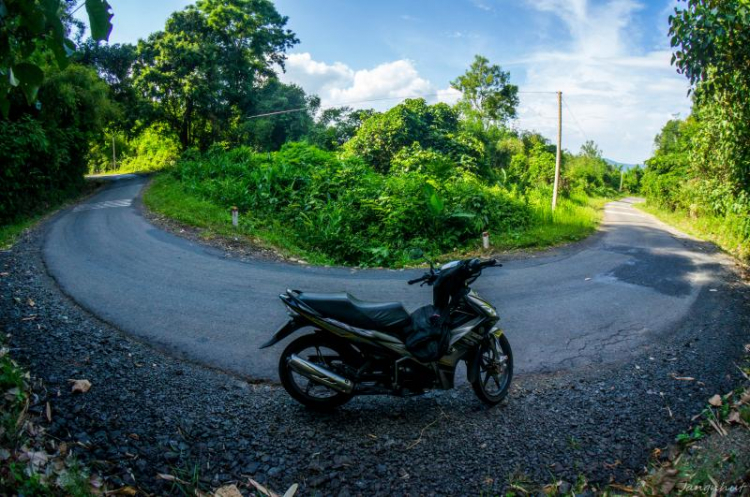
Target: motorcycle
[(368, 348)]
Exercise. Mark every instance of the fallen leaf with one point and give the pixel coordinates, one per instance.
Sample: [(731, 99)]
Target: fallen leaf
[(12, 394), (667, 485), (126, 490), (35, 458), (622, 488), (228, 491), (263, 490), (291, 490), (166, 477), (48, 411), (715, 400), (80, 386), (683, 378), (31, 303), (4, 274), (734, 417)]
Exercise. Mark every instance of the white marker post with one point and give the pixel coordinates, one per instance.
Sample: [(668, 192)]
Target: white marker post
[(486, 240), (235, 217)]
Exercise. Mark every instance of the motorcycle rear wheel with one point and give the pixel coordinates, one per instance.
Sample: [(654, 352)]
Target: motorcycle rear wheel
[(325, 352), (495, 370)]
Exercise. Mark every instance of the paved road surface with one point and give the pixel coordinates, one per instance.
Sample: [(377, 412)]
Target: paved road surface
[(591, 303)]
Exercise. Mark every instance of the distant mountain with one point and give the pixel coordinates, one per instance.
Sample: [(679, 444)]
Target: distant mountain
[(622, 165)]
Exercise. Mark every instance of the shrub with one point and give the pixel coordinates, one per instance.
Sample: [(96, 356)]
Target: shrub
[(347, 210), (152, 149), (43, 152)]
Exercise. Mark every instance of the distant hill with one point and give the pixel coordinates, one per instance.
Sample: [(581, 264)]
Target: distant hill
[(622, 165)]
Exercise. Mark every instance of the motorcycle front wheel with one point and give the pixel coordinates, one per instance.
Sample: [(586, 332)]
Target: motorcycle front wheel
[(495, 370), (326, 353)]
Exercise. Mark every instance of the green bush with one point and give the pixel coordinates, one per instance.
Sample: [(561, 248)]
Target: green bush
[(152, 149), (43, 152), (347, 210)]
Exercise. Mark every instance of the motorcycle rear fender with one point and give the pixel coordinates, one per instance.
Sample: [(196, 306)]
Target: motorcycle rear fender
[(295, 323)]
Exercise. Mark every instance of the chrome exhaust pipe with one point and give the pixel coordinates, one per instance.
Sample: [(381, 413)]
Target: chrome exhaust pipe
[(320, 375)]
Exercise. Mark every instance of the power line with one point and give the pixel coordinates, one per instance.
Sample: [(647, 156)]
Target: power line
[(380, 99), (570, 111), (83, 2)]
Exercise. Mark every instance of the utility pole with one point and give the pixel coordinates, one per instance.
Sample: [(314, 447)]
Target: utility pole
[(114, 157), (622, 176), (559, 150)]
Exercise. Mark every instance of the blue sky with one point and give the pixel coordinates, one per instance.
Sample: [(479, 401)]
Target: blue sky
[(610, 58)]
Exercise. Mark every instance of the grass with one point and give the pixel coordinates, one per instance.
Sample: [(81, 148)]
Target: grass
[(574, 219), (10, 232), (723, 231), (166, 196), (133, 167)]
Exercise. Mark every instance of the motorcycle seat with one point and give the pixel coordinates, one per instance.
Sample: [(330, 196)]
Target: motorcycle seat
[(381, 316)]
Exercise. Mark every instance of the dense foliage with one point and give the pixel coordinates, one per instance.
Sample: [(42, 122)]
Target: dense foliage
[(51, 109), (346, 208), (701, 165), (408, 176)]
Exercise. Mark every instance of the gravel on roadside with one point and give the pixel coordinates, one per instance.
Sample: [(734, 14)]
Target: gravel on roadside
[(148, 413)]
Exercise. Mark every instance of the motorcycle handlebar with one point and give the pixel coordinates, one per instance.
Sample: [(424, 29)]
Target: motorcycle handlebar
[(477, 265), (417, 280)]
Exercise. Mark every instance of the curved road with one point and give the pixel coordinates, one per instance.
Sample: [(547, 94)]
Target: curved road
[(591, 303)]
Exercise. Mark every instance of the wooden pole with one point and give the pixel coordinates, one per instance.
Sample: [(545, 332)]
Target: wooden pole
[(559, 150)]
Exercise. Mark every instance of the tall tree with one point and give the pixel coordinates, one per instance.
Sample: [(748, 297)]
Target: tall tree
[(203, 71), (711, 39), (487, 92)]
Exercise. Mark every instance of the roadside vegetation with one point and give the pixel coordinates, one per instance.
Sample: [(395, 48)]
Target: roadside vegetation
[(333, 185), (337, 209), (699, 176), (32, 463)]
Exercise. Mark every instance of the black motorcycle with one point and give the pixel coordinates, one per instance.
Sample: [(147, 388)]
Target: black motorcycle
[(366, 348)]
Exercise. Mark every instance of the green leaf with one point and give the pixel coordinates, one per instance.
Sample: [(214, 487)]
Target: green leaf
[(12, 78), (99, 19), (30, 78), (62, 51), (436, 204)]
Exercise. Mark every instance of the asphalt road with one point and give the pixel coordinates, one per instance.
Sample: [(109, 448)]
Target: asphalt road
[(594, 302)]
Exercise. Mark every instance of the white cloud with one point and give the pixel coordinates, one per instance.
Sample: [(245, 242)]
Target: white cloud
[(338, 84), (620, 96)]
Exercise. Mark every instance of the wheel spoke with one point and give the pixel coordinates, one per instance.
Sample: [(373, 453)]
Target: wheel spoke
[(497, 382)]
